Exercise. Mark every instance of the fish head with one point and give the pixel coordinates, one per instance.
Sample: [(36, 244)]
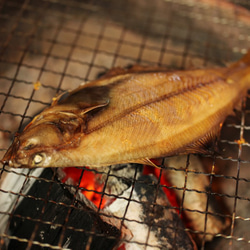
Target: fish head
[(36, 146)]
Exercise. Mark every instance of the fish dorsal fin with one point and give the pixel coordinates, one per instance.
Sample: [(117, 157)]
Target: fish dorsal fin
[(146, 161), (136, 68), (113, 72)]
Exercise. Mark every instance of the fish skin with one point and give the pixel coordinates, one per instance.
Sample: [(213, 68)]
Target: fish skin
[(131, 116)]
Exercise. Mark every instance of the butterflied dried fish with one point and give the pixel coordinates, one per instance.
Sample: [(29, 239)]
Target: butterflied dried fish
[(132, 116)]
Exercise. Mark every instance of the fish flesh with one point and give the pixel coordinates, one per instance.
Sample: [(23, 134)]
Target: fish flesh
[(131, 116)]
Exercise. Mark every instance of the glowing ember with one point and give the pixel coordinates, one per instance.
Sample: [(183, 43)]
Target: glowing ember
[(164, 183), (93, 189), (88, 184)]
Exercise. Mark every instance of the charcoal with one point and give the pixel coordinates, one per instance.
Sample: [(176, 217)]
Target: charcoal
[(52, 217), (150, 217)]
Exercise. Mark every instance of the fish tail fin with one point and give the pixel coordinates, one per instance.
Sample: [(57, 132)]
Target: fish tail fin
[(246, 58), (240, 70), (244, 62)]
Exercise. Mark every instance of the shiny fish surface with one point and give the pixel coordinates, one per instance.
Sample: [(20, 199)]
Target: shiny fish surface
[(132, 115)]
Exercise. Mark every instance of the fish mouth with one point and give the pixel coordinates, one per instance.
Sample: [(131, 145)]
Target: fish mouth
[(11, 163), (9, 156), (8, 160)]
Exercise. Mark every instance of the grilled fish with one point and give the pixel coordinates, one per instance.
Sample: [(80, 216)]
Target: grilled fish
[(130, 116)]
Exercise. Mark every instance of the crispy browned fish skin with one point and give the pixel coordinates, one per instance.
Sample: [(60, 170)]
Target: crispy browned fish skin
[(130, 116)]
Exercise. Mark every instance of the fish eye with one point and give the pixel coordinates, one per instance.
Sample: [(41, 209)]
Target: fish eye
[(30, 143), (30, 146), (38, 158)]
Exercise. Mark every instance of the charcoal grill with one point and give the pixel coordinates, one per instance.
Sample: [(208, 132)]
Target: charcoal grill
[(50, 46)]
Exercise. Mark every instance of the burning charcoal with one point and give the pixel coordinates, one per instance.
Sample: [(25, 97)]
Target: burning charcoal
[(120, 177), (194, 196), (87, 179), (84, 180), (47, 214), (151, 220)]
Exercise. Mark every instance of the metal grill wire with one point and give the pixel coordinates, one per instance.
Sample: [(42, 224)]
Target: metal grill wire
[(59, 44)]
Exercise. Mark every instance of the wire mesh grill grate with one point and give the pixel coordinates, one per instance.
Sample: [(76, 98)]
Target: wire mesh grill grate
[(50, 46)]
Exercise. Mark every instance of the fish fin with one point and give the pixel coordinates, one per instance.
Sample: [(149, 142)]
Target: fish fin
[(83, 99), (205, 145), (59, 98), (238, 69), (238, 106), (112, 72), (122, 71), (86, 110), (136, 68), (146, 161), (244, 60)]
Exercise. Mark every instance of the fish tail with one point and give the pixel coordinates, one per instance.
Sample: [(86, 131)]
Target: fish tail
[(246, 59), (244, 62), (240, 70)]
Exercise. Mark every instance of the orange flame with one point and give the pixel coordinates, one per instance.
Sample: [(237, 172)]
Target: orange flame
[(93, 190), (88, 185), (164, 183)]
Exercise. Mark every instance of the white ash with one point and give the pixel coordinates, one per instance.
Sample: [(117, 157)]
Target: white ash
[(195, 197), (119, 178), (151, 222), (139, 231)]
